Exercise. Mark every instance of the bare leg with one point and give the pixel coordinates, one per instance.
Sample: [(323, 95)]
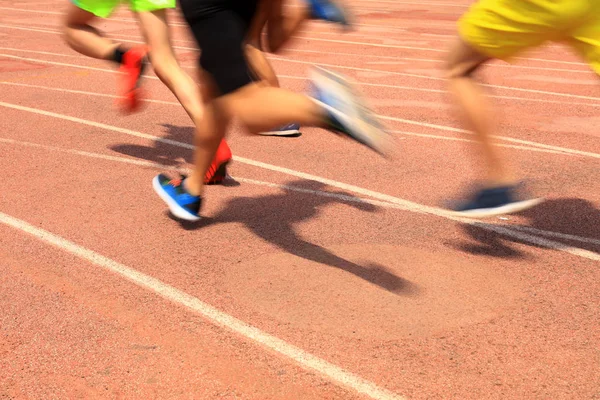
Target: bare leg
[(261, 66), (463, 60), (280, 28), (156, 32), (258, 108), (254, 47), (85, 39)]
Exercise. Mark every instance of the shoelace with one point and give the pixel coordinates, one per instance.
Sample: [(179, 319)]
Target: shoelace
[(175, 182)]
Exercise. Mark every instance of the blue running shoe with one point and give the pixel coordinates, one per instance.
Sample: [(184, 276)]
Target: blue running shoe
[(290, 130), (330, 11), (489, 202), (346, 112), (182, 204)]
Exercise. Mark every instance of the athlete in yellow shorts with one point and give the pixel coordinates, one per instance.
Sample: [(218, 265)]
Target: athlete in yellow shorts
[(500, 29)]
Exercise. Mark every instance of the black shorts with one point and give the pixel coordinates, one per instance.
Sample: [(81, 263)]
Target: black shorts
[(220, 28)]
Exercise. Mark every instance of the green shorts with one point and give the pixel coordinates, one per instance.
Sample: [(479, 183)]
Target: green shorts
[(103, 8)]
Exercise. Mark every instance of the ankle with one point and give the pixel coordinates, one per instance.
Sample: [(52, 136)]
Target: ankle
[(193, 185)]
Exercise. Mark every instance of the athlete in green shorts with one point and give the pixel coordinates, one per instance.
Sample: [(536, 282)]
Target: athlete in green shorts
[(152, 18)]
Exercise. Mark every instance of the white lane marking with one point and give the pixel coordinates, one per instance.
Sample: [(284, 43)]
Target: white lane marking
[(508, 139), (123, 37), (558, 94), (409, 205), (304, 359), (457, 139), (411, 88), (44, 52), (434, 78), (586, 71), (450, 138), (63, 64), (322, 193), (396, 119), (55, 89)]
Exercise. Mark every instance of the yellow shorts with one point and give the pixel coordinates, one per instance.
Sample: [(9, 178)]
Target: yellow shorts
[(503, 28)]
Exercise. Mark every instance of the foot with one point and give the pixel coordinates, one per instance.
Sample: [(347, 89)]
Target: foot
[(290, 130), (132, 68), (330, 11), (217, 172), (182, 204), (492, 201), (346, 112)]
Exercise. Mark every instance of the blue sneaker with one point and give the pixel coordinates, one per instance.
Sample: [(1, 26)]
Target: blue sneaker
[(330, 11), (290, 130), (182, 204), (346, 112), (489, 202)]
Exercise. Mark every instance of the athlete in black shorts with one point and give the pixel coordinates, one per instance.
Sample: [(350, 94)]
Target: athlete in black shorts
[(220, 28)]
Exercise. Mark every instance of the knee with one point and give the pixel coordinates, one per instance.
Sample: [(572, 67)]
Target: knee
[(163, 62)]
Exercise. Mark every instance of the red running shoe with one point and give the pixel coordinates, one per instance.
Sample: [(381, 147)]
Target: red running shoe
[(132, 68), (217, 172)]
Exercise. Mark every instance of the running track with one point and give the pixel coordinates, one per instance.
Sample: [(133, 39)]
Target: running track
[(324, 272)]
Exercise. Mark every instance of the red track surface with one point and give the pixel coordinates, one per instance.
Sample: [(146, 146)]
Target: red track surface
[(393, 292)]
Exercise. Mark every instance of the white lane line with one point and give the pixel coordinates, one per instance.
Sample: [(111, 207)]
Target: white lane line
[(127, 38), (557, 235), (64, 64), (508, 139), (180, 169), (435, 78), (322, 193), (304, 359), (457, 139), (408, 205), (449, 138), (398, 58), (410, 88), (396, 119), (110, 96), (44, 52), (502, 87)]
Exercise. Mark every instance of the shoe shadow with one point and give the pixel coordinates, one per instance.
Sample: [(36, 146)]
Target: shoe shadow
[(572, 222), (274, 218)]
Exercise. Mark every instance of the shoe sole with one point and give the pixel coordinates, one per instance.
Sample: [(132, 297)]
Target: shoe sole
[(287, 133), (506, 209), (175, 208), (362, 126)]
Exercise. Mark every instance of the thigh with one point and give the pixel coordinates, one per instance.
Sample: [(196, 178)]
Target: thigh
[(155, 29), (585, 37), (503, 28)]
